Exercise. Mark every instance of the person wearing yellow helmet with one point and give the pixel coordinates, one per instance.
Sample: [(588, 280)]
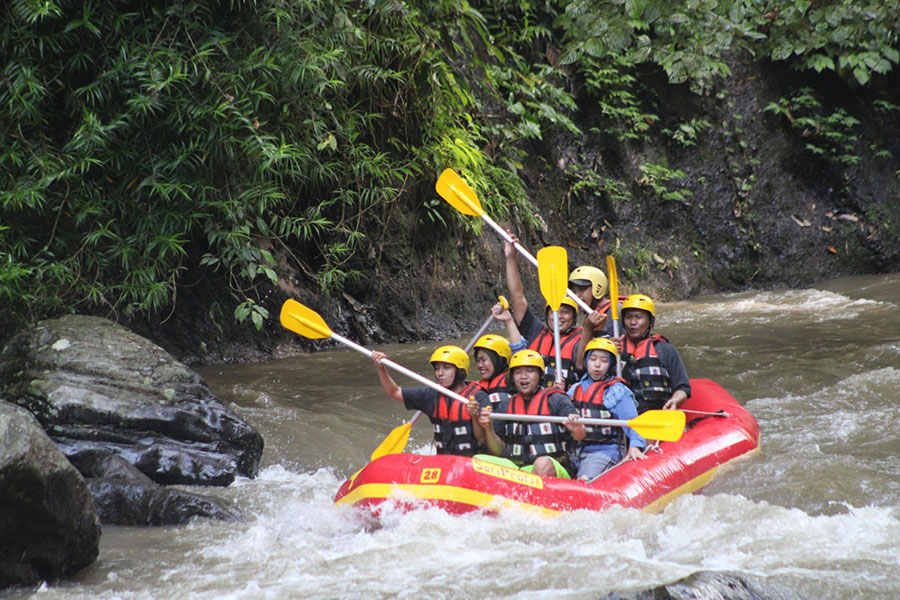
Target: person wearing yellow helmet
[(492, 353), (454, 429), (602, 395), (542, 448), (651, 365), (540, 334), (589, 284)]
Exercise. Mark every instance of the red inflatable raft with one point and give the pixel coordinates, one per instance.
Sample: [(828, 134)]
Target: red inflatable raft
[(459, 484)]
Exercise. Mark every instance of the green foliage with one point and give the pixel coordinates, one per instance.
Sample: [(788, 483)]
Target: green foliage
[(142, 141), (688, 133), (852, 37), (661, 179), (830, 136)]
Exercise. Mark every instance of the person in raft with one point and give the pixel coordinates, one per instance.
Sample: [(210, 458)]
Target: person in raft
[(454, 432), (492, 356), (602, 395), (492, 353), (589, 284), (651, 365), (540, 335), (541, 448)]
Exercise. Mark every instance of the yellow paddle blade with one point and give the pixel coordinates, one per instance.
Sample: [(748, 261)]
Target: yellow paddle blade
[(613, 287), (457, 192), (394, 443), (663, 425), (553, 273), (303, 320)]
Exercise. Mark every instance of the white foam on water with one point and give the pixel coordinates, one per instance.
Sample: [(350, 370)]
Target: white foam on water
[(764, 307), (297, 544)]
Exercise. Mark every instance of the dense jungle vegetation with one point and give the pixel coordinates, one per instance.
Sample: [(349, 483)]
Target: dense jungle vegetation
[(276, 142)]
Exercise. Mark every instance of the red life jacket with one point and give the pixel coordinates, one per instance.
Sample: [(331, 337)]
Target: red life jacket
[(453, 429), (525, 442), (645, 373), (589, 402), (497, 388), (543, 345)]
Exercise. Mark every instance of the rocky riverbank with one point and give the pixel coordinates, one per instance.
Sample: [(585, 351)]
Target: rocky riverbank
[(83, 391)]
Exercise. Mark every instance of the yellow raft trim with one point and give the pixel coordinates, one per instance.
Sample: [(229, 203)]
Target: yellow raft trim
[(491, 501), (441, 492)]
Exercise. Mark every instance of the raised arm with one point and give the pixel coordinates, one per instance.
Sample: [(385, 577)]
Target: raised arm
[(517, 301), (512, 331)]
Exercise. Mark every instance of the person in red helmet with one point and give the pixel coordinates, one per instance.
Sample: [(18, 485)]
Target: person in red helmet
[(454, 432), (651, 365)]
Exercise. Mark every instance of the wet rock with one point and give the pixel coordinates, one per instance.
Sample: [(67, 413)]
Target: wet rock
[(710, 585), (125, 496), (48, 523), (94, 385)]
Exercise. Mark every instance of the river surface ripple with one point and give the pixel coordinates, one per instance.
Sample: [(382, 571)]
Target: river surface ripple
[(815, 512)]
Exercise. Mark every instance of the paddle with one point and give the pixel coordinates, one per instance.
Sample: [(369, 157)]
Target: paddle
[(553, 267), (664, 425), (505, 304), (308, 323), (614, 303), (451, 187)]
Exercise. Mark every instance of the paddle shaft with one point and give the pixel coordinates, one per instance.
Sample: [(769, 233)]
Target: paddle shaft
[(721, 413), (530, 257), (400, 368), (554, 419), (487, 323), (556, 348)]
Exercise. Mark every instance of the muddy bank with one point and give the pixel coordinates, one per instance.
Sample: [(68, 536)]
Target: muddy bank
[(755, 208)]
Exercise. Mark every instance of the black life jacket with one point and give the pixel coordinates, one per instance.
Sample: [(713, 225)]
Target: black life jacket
[(646, 374), (589, 403), (497, 389), (454, 432), (543, 345), (525, 442)]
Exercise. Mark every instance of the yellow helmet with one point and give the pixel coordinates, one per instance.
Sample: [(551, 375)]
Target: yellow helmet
[(601, 343), (640, 301), (592, 276), (451, 354), (526, 358), (497, 343), (566, 301)]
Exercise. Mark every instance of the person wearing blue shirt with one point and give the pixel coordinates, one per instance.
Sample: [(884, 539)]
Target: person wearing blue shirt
[(602, 395)]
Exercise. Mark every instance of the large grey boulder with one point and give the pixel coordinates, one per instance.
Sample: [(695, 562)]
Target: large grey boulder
[(95, 385), (712, 585), (48, 525), (125, 496)]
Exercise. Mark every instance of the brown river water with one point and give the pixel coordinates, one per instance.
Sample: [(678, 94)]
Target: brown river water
[(817, 511)]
